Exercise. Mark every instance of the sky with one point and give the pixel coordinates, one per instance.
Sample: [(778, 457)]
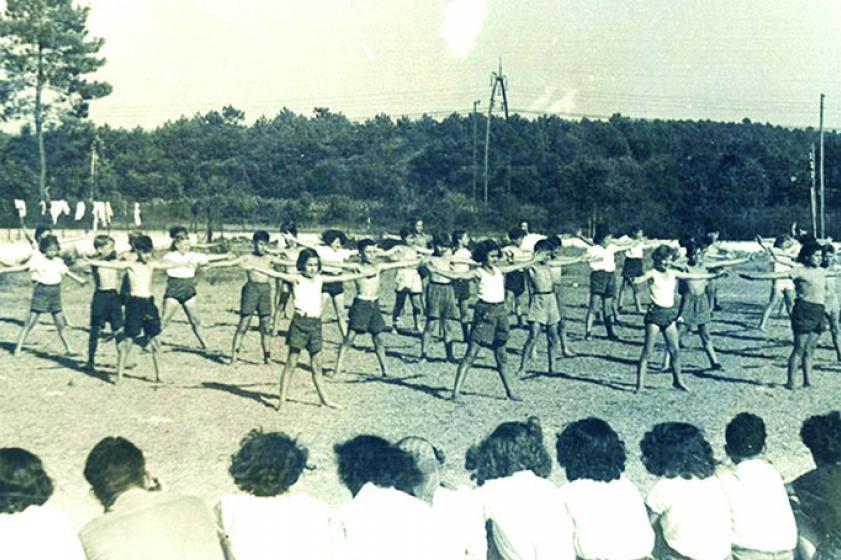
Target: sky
[(670, 59)]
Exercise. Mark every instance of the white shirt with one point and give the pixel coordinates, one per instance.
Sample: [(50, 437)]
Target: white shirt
[(39, 533), (530, 240), (695, 516), (661, 287), (385, 524), (189, 259), (609, 519), (529, 519), (491, 285), (635, 252), (460, 518), (307, 295), (330, 255), (761, 513), (46, 271), (275, 527), (461, 253), (605, 256)]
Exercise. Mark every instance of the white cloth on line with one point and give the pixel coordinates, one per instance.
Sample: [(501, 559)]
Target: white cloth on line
[(80, 211), (137, 220), (20, 206), (57, 208)]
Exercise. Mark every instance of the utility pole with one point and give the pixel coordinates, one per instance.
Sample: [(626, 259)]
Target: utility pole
[(820, 174), (498, 80), (475, 146), (812, 204)]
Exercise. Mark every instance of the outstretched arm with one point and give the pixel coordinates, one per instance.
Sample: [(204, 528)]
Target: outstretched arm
[(699, 275), (114, 265), (729, 262), (291, 278), (505, 268), (10, 269), (399, 264), (328, 279), (764, 275), (558, 262), (454, 275), (78, 279)]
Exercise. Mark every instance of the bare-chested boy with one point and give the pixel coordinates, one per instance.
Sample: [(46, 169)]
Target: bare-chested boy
[(105, 306), (364, 315)]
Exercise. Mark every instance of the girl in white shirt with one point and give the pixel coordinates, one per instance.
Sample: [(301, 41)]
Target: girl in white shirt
[(265, 522), (305, 328), (688, 505), (48, 269), (608, 514), (524, 511)]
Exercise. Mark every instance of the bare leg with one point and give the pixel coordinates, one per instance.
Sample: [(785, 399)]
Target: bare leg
[(28, 325), (265, 338), (647, 349), (788, 295), (426, 339), (379, 350), (93, 343), (811, 343), (833, 330), (239, 334), (531, 340), (346, 344), (592, 309), (673, 346), (286, 376), (707, 342), (61, 324), (122, 356), (318, 381), (464, 367), (607, 309), (772, 304), (170, 307), (156, 352), (399, 301), (796, 358), (417, 308), (339, 308), (463, 311), (507, 382), (191, 309), (552, 343), (667, 357)]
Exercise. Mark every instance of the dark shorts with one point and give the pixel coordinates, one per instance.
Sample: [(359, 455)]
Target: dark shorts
[(441, 301), (106, 307), (695, 310), (364, 316), (631, 268), (256, 297), (333, 288), (142, 317), (807, 317), (660, 316), (125, 291), (46, 298), (515, 282), (490, 324), (461, 289), (602, 283), (181, 290), (305, 334)]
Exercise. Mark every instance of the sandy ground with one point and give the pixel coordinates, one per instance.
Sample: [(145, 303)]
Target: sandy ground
[(189, 426)]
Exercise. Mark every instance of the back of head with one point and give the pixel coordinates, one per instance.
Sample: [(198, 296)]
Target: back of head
[(405, 233), (143, 244), (822, 435), (602, 232), (329, 236), (369, 458), (267, 464), (113, 466), (512, 447), (457, 235), (441, 241), (260, 235), (41, 230), (101, 240), (516, 234), (677, 449), (289, 227), (177, 231), (47, 242), (429, 459), (363, 243), (590, 449), (544, 246), (808, 249), (662, 253), (744, 436), (23, 481)]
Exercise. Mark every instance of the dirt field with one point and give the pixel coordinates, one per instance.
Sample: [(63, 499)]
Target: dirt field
[(189, 426)]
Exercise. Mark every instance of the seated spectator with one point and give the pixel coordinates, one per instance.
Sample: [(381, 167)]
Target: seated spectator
[(383, 521), (28, 528), (608, 514), (525, 514), (267, 523), (457, 512), (817, 494), (140, 522), (688, 505), (763, 524)]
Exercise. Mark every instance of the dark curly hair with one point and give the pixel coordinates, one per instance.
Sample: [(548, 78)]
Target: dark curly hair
[(511, 447), (677, 449), (369, 458), (329, 236), (267, 464), (590, 449), (822, 435), (744, 436), (113, 466), (23, 481), (305, 255), (483, 249)]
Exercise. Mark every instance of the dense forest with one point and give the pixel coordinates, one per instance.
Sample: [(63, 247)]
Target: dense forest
[(669, 176)]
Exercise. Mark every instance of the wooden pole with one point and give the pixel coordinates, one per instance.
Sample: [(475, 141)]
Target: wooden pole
[(812, 202), (821, 176)]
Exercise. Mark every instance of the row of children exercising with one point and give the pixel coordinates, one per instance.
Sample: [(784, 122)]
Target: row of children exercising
[(400, 507), (445, 295)]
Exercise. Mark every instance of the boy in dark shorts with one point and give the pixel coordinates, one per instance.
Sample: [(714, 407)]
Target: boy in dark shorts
[(105, 306), (516, 289), (142, 317), (364, 315), (48, 269)]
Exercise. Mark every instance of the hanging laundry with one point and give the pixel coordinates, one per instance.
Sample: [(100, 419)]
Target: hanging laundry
[(80, 210), (43, 205), (109, 214), (99, 218), (57, 208), (20, 206), (137, 221)]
